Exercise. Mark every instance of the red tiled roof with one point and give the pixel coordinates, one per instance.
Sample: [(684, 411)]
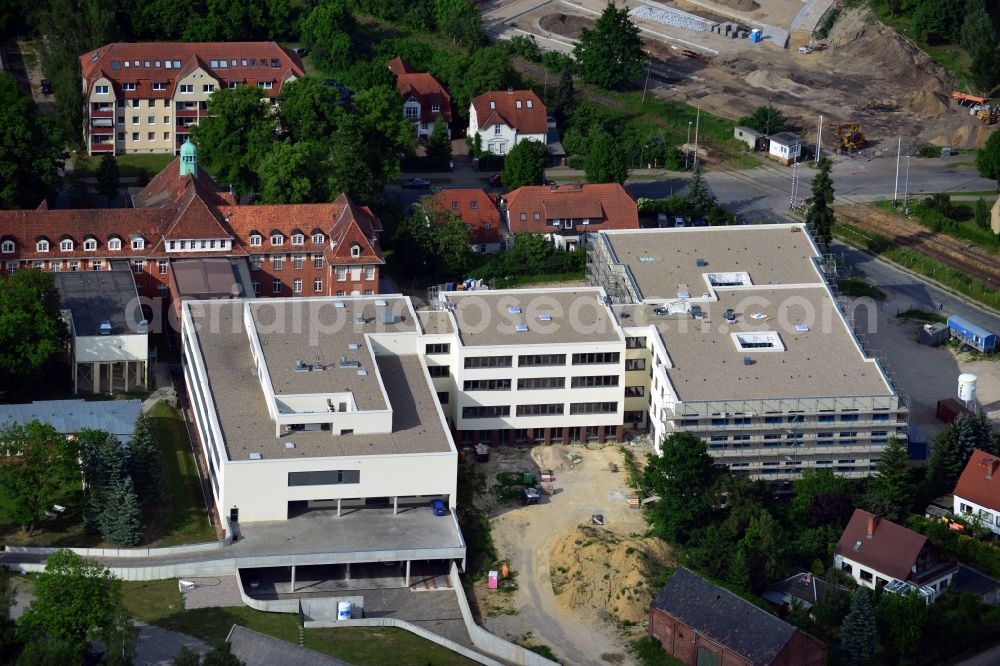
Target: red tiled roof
[(607, 205), (892, 550), (530, 118), (355, 225), (460, 202), (429, 92), (400, 66), (100, 62), (974, 485), (25, 227)]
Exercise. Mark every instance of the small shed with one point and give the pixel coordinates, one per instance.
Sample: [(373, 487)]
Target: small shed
[(933, 334), (971, 334), (754, 139), (784, 147)]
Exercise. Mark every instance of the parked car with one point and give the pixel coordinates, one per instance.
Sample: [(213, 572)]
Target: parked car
[(416, 184), (661, 312), (678, 222), (46, 87), (700, 223), (439, 508), (495, 180), (299, 51)]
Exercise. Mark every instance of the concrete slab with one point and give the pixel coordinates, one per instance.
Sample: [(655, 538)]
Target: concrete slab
[(213, 592)]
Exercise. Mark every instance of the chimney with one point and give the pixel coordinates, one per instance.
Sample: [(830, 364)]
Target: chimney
[(809, 577), (872, 522), (991, 467)]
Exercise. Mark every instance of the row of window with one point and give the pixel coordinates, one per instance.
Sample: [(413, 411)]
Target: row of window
[(256, 240), (67, 245), (150, 136), (545, 409), (277, 287), (533, 383), (184, 88), (536, 360)]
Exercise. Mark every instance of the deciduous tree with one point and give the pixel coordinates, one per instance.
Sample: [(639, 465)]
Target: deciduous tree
[(610, 54), (439, 144), (988, 159), (460, 20), (108, 178), (679, 477), (765, 119), (292, 173), (326, 31), (31, 329), (524, 165), (309, 110), (819, 216), (31, 151), (859, 633), (606, 160)]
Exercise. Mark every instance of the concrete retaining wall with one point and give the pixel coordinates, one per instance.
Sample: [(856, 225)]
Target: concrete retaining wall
[(486, 641), (401, 624), (267, 605)]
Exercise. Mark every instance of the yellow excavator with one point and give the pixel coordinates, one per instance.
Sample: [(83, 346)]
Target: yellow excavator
[(988, 115), (850, 136)]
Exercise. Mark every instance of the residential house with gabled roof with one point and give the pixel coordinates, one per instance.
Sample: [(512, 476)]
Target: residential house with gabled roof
[(977, 493), (477, 208), (877, 551), (425, 99), (703, 624), (566, 214), (143, 98), (503, 119), (322, 249)]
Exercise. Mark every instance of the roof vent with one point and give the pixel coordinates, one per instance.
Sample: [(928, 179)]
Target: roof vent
[(105, 327), (521, 328), (300, 366), (353, 345), (747, 360), (348, 363), (388, 318), (338, 304), (380, 303), (514, 309), (362, 372), (289, 445), (545, 316), (256, 456), (700, 262)]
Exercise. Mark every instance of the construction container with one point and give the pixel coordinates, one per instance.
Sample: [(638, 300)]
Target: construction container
[(949, 409), (528, 479), (493, 580), (933, 334)]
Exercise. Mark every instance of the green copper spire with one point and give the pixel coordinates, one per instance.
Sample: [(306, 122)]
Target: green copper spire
[(189, 159)]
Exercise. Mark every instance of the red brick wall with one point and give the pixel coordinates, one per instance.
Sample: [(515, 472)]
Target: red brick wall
[(683, 642), (802, 650)]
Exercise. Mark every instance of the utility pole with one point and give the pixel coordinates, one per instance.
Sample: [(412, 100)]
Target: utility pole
[(819, 138), (906, 188), (795, 181), (697, 122), (687, 146), (649, 66), (899, 150)]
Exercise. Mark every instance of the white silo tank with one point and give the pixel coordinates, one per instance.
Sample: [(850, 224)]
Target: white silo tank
[(967, 387)]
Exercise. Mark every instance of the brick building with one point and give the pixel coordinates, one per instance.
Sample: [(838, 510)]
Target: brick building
[(425, 99), (566, 214)]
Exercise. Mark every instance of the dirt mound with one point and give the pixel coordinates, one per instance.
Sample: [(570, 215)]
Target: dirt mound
[(926, 103), (850, 25), (567, 25), (740, 5), (969, 135), (776, 83), (594, 569)]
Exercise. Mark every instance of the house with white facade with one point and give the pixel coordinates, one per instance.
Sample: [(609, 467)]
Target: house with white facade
[(425, 99), (876, 551), (784, 147), (503, 119), (977, 494)]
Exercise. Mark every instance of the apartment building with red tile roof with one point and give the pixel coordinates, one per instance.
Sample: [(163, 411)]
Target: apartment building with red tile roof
[(144, 97), (568, 213), (505, 118), (477, 208), (874, 550), (308, 249), (425, 99), (977, 493)]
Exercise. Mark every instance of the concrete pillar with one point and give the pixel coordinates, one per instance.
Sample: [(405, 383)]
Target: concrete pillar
[(111, 378), (76, 372), (619, 434), (126, 376), (292, 586), (548, 436), (338, 507), (566, 436), (407, 573), (347, 575), (395, 505), (145, 375), (97, 378), (600, 434)]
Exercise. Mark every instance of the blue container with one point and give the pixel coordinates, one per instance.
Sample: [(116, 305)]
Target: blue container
[(756, 36), (976, 337)]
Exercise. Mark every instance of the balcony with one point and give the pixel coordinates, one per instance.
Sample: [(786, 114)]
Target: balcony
[(102, 130), (99, 147), (187, 113), (102, 113)]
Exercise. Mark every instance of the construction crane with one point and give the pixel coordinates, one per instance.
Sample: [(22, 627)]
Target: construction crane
[(850, 136)]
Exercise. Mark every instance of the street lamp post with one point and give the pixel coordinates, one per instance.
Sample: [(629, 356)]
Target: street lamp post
[(687, 146)]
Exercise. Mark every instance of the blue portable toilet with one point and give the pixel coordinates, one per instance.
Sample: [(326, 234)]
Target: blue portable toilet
[(756, 35), (968, 333)]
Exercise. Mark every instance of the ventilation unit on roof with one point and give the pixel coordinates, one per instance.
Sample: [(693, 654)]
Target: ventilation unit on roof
[(380, 303), (362, 372), (348, 363), (747, 360), (388, 318), (300, 366), (513, 309), (545, 317), (289, 445), (700, 262), (353, 345), (256, 456), (521, 328), (105, 327), (338, 304)]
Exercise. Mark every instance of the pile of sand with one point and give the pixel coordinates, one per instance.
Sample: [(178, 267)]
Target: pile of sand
[(592, 568), (740, 5), (926, 103), (772, 82)]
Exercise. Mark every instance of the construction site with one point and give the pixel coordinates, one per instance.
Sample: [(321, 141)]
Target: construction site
[(730, 56)]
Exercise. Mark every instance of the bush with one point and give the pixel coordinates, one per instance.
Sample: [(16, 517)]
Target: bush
[(526, 47), (825, 24), (929, 150)]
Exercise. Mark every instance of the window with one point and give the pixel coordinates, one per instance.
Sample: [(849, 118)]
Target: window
[(7, 247), (595, 358), (317, 238), (135, 136), (635, 391), (101, 90), (121, 136), (437, 370), (485, 411), (166, 135), (276, 261), (89, 245), (162, 266), (135, 120), (369, 272), (159, 86), (208, 87), (635, 343), (355, 250), (826, 418), (486, 385), (865, 575), (496, 130), (255, 262), (298, 239), (593, 407), (297, 260), (297, 285), (187, 88), (341, 273), (549, 409), (138, 243), (318, 285), (128, 87), (410, 112), (138, 265), (266, 85), (325, 477), (135, 104), (487, 362), (276, 287), (66, 245), (11, 267), (277, 239), (593, 381), (848, 418), (437, 348), (534, 383), (317, 261), (435, 108), (151, 120), (115, 244), (232, 85), (635, 364), (150, 136), (537, 360), (256, 240)]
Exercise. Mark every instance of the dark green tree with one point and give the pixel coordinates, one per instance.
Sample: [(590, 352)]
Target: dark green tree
[(10, 644), (386, 135), (821, 497), (564, 96), (309, 111), (524, 165), (763, 548), (981, 213), (108, 178), (121, 523), (984, 68), (966, 435), (439, 144), (32, 331), (765, 119), (31, 151), (606, 160), (977, 29), (221, 655), (986, 438), (893, 480), (819, 216), (239, 130), (945, 463), (988, 159), (698, 197), (938, 21), (144, 460), (902, 623), (78, 602), (445, 244), (859, 633), (460, 20), (292, 173), (104, 462), (186, 657), (679, 477), (610, 55), (326, 31)]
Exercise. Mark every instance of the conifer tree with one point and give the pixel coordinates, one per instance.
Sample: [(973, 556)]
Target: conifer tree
[(121, 521), (858, 633), (144, 464)]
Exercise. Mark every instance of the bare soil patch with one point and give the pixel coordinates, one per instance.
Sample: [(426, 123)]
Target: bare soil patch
[(567, 25), (740, 5)]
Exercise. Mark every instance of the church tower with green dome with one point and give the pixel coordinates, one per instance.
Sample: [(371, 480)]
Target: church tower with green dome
[(189, 159)]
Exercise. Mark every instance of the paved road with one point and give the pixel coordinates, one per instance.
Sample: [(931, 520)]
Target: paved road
[(990, 657)]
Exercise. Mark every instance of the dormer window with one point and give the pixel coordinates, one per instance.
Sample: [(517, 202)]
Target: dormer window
[(66, 245), (493, 104), (298, 239), (474, 204), (90, 244), (518, 104), (355, 250), (256, 240), (7, 247), (115, 244), (159, 86), (128, 87), (317, 239), (138, 243), (277, 239), (454, 205), (435, 108)]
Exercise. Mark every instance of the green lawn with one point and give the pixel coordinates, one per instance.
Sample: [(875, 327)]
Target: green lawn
[(181, 516), (159, 602), (857, 288), (128, 165)]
